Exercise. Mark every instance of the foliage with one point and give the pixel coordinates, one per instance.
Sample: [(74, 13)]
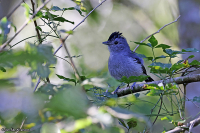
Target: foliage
[(86, 104)]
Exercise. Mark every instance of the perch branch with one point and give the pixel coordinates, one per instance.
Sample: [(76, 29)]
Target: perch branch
[(140, 87), (157, 32)]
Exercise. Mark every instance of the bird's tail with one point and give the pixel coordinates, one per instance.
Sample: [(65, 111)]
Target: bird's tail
[(149, 79)]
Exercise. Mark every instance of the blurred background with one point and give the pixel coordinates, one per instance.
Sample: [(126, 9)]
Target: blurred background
[(135, 19)]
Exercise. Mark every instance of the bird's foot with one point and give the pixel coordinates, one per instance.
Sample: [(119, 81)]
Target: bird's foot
[(133, 86), (115, 92)]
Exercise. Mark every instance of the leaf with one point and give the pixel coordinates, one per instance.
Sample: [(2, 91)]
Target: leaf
[(195, 62), (132, 123), (68, 79), (166, 118), (158, 67), (196, 99), (172, 53), (190, 50), (163, 46), (162, 56), (191, 56), (153, 41), (149, 45), (121, 122), (5, 25), (61, 19), (39, 28), (154, 92), (49, 16), (70, 102), (27, 9), (132, 79), (2, 69), (55, 8)]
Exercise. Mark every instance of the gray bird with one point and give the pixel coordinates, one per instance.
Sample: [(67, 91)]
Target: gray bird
[(122, 61)]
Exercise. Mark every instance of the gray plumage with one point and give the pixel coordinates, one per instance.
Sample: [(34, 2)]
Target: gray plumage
[(122, 61)]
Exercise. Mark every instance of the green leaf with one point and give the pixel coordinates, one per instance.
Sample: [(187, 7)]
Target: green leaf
[(61, 19), (190, 50), (121, 122), (149, 45), (37, 27), (153, 41), (132, 123), (158, 67), (191, 56), (2, 69), (49, 16), (132, 79), (166, 118), (68, 79), (172, 53), (27, 9), (163, 46), (149, 58), (195, 62), (162, 56)]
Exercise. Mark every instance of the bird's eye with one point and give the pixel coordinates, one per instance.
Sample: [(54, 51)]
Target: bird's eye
[(116, 42)]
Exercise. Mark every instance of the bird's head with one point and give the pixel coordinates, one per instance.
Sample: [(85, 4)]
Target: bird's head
[(117, 43)]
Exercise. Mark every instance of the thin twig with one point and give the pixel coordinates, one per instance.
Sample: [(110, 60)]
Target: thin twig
[(38, 82), (156, 32), (10, 14), (158, 110), (23, 26), (21, 124)]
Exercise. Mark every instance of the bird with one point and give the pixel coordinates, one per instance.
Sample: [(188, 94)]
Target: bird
[(122, 61)]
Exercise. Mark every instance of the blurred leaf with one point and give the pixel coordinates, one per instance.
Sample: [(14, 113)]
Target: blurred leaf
[(67, 79), (167, 118), (132, 123), (196, 99), (5, 25), (49, 128), (163, 46), (121, 122), (70, 32), (190, 50), (158, 67), (132, 79), (153, 41), (82, 123), (72, 102), (191, 56), (2, 69), (195, 62), (49, 16), (27, 9)]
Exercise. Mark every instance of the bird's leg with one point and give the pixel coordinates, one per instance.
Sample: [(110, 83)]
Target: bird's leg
[(133, 86), (115, 92)]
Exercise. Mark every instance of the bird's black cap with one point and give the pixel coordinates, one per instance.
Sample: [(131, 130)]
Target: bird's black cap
[(115, 35)]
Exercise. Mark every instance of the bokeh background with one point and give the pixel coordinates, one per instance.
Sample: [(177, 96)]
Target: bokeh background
[(135, 19)]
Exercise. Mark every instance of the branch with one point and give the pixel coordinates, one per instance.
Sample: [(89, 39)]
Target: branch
[(140, 87), (190, 125), (35, 23), (22, 27), (156, 32)]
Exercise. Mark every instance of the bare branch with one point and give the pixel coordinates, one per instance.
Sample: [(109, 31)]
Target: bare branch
[(140, 87), (22, 27), (157, 32), (189, 125)]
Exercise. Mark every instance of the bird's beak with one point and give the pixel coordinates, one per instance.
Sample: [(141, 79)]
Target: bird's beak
[(106, 42)]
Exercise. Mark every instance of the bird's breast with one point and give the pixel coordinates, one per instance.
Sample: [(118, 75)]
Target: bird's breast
[(121, 65)]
